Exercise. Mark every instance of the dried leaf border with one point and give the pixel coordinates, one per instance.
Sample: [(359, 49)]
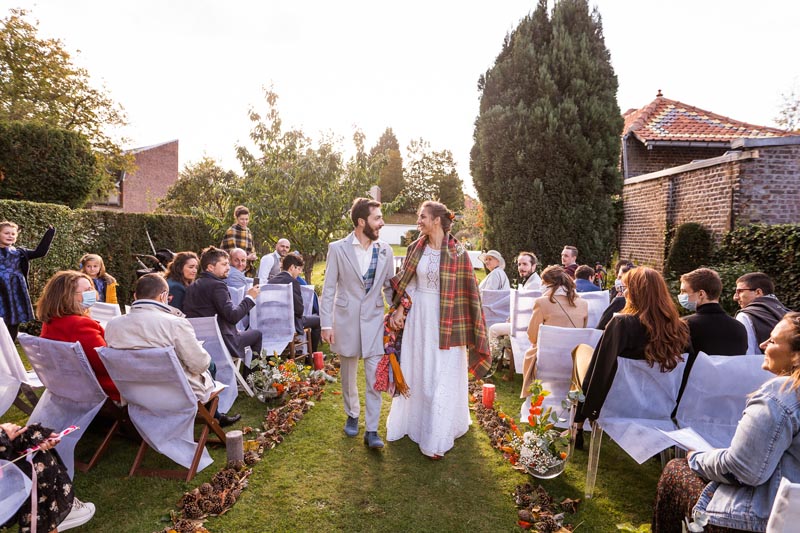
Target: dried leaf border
[(217, 498), (537, 511)]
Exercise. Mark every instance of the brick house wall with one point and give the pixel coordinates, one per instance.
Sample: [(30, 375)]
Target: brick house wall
[(641, 160), (759, 183)]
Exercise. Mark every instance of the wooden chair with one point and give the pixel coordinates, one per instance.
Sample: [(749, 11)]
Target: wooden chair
[(521, 312), (273, 316), (16, 384), (163, 409)]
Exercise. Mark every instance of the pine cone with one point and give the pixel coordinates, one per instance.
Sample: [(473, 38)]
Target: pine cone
[(251, 458), (188, 497), (184, 526), (218, 508), (206, 489), (192, 511), (207, 504), (235, 465), (230, 499)]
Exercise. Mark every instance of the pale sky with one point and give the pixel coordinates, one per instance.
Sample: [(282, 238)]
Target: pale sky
[(191, 70)]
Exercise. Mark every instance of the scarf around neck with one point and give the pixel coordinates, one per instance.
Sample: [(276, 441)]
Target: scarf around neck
[(461, 320)]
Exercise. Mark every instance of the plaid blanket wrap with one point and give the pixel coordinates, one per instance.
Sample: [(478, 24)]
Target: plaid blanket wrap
[(461, 321), (238, 237)]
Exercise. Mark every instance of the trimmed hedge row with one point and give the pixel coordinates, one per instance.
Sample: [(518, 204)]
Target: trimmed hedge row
[(774, 250), (114, 236)]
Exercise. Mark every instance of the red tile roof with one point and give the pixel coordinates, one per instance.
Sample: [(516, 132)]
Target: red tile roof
[(671, 121)]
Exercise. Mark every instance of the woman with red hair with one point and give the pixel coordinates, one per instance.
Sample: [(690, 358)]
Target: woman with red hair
[(648, 328)]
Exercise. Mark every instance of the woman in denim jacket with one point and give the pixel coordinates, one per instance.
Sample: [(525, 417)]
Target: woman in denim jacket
[(744, 477)]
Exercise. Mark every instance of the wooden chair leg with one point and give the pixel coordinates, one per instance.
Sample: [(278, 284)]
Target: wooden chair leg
[(85, 467), (138, 459)]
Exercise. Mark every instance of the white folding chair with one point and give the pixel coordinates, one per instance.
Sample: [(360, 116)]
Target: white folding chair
[(496, 306), (273, 316), (521, 312), (716, 393), (163, 408), (15, 489), (638, 405), (308, 299), (554, 347), (237, 295), (15, 381), (206, 329), (103, 312), (598, 302), (72, 396), (785, 514)]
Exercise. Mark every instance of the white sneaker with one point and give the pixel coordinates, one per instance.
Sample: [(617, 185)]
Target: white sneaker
[(80, 514)]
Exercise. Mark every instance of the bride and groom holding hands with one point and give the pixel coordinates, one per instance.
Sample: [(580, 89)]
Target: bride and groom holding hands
[(444, 333)]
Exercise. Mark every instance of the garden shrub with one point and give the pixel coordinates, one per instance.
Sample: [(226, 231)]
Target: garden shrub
[(113, 235), (774, 250), (690, 249), (44, 164)]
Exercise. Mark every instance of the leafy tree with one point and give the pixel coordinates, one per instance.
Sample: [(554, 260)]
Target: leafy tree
[(44, 164), (302, 191), (386, 154), (544, 161), (789, 115), (431, 175), (39, 82), (203, 189)]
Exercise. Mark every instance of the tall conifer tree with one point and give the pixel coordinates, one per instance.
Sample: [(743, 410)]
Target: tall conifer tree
[(546, 147)]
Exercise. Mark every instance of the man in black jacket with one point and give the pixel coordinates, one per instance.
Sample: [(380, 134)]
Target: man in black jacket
[(291, 268), (208, 296), (711, 330), (761, 309)]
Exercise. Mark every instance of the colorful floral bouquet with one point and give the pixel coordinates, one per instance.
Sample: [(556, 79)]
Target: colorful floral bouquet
[(270, 377), (541, 451)]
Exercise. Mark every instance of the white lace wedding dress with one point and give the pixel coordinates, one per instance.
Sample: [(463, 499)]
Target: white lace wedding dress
[(437, 409)]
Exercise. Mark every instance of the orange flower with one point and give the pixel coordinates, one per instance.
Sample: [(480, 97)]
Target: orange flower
[(538, 402), (507, 449), (531, 420), (536, 410), (502, 416), (523, 524), (563, 455)]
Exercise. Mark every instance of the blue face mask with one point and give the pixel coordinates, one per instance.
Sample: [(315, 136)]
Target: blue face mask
[(683, 299), (89, 298)]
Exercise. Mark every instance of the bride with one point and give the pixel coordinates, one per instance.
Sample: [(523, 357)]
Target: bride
[(444, 322)]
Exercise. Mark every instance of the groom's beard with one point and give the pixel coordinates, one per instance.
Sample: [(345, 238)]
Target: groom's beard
[(371, 233)]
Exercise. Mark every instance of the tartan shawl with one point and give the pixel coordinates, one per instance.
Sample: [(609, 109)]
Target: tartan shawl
[(461, 321), (238, 237)]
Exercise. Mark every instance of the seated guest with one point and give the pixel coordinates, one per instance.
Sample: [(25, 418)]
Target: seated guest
[(526, 267), (180, 273), (760, 308), (735, 487), (63, 309), (57, 507), (648, 328), (616, 290), (236, 277), (209, 296), (618, 303), (497, 279), (151, 323), (569, 260), (291, 268), (557, 306), (270, 264), (584, 279), (711, 330)]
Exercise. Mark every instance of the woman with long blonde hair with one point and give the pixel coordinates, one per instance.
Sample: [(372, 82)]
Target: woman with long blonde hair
[(648, 328)]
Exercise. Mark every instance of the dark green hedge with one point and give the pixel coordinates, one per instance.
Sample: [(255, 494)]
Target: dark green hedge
[(774, 250), (112, 235), (45, 164), (690, 248)]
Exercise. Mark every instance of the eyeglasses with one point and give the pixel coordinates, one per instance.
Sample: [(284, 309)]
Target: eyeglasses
[(740, 291)]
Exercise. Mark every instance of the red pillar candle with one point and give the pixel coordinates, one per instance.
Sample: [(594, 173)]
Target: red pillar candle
[(319, 360), (488, 395)]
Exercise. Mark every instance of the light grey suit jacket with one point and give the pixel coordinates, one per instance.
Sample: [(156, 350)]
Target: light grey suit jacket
[(355, 315)]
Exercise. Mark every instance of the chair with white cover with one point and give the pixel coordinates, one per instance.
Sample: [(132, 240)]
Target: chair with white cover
[(554, 364), (73, 395), (716, 393), (15, 489), (308, 299), (521, 313), (496, 306), (103, 312), (163, 408), (237, 295), (598, 302), (206, 330), (15, 381), (785, 515), (638, 405), (273, 316)]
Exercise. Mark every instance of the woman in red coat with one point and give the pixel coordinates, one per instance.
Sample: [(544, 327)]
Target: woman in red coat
[(63, 309)]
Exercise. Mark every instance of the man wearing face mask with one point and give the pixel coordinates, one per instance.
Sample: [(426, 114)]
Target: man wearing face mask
[(711, 329)]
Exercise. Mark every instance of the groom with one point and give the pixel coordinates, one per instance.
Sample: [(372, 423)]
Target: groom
[(358, 270)]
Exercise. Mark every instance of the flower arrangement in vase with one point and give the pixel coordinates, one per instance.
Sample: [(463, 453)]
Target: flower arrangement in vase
[(271, 378)]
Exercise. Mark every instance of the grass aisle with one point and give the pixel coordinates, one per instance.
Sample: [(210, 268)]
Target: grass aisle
[(320, 480)]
